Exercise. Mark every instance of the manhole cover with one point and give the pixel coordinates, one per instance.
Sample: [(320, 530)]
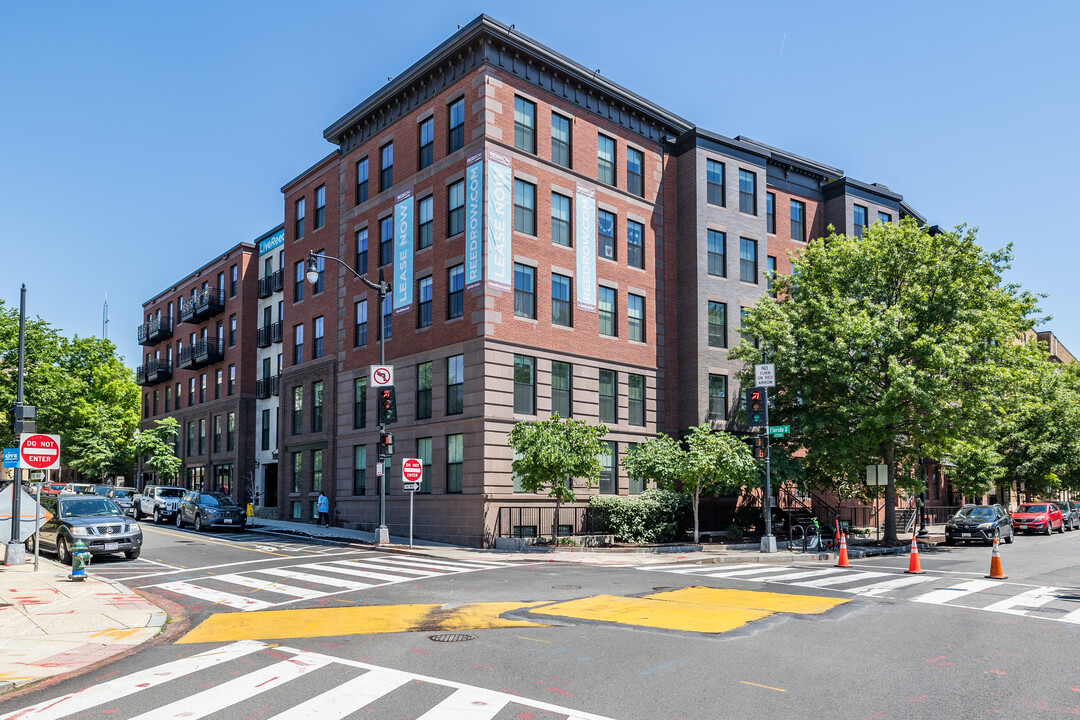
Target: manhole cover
[(452, 637), (662, 587), (565, 587)]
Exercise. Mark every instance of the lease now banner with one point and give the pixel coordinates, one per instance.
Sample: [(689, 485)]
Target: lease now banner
[(403, 252), (500, 263)]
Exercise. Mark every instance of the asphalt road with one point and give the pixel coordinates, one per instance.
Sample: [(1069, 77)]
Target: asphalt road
[(573, 641)]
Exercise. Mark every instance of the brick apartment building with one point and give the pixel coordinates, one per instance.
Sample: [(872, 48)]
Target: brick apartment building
[(555, 243)]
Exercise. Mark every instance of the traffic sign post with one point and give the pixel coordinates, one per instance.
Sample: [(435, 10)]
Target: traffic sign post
[(412, 471)]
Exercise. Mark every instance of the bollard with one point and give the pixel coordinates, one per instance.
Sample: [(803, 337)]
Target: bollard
[(80, 558)]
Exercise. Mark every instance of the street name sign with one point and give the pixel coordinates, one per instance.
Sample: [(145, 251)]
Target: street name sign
[(765, 375), (779, 430), (877, 474), (411, 486), (382, 375), (39, 452)]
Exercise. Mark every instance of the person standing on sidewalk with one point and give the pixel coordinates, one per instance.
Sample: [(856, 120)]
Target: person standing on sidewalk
[(324, 509)]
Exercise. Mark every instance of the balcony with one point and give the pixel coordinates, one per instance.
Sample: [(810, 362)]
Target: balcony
[(153, 372), (205, 304), (267, 386), (269, 334), (277, 283), (271, 284), (153, 332), (201, 354)]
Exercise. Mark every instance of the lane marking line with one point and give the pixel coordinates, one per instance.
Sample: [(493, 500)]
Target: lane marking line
[(767, 687)]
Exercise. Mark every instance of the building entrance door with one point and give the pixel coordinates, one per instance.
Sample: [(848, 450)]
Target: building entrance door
[(270, 485)]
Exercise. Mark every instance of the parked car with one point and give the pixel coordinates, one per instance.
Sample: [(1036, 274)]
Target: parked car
[(1044, 517), (103, 490), (79, 488), (979, 523), (97, 521), (124, 498), (53, 488), (158, 501), (1070, 513), (210, 509)]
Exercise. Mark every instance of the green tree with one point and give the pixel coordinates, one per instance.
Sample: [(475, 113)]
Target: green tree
[(550, 454), (156, 446), (897, 345)]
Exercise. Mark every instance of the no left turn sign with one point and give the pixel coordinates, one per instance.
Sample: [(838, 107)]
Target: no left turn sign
[(382, 375)]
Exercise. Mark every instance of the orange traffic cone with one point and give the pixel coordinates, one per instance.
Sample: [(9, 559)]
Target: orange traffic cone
[(914, 567), (996, 572), (842, 560)]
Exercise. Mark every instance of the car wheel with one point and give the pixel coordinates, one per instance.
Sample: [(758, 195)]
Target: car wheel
[(138, 513), (132, 554), (179, 519), (157, 516), (1061, 528), (1009, 537), (1049, 528), (198, 523), (62, 552), (29, 544), (997, 536)]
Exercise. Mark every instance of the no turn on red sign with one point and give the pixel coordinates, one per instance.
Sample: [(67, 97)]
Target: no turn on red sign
[(39, 452)]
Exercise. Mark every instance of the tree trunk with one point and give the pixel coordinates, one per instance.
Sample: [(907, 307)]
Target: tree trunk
[(889, 455), (555, 522), (697, 496)]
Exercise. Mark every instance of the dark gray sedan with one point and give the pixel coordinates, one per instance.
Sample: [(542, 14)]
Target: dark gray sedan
[(210, 509), (979, 523), (97, 521), (124, 498), (1070, 514)]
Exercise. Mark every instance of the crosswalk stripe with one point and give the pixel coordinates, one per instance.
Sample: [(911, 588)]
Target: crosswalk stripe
[(884, 586), (723, 569), (347, 698), (215, 596), (735, 573), (840, 580), (1073, 617), (236, 691), (803, 574), (320, 579), (333, 565), (430, 564), (468, 704), (1032, 598), (76, 702), (279, 588), (940, 597)]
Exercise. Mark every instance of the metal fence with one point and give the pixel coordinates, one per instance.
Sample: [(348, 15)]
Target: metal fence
[(529, 521)]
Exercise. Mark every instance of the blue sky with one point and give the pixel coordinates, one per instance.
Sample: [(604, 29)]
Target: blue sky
[(138, 140)]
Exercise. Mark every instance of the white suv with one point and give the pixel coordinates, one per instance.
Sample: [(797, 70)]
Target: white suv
[(159, 501)]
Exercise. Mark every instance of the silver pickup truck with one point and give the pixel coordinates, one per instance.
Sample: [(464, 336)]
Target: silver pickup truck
[(158, 501)]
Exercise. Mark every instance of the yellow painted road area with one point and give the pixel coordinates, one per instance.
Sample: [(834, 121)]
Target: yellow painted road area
[(692, 609), (365, 620)]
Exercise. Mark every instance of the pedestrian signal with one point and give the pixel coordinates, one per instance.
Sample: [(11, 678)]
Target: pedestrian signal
[(761, 447)]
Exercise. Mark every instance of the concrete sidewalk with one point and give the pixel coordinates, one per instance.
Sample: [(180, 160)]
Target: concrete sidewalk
[(50, 625)]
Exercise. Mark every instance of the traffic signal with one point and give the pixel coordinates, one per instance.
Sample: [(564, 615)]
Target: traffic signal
[(757, 407), (761, 447), (387, 405), (23, 420), (386, 444)]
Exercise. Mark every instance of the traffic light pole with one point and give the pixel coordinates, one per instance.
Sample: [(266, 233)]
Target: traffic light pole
[(15, 553)]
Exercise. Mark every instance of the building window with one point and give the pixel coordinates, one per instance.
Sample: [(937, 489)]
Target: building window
[(718, 397), (202, 388), (230, 431), (714, 183), (605, 159), (387, 327), (748, 260), (423, 391), (606, 309), (232, 284), (560, 219), (146, 406), (605, 234), (608, 481), (524, 385), (885, 218), (359, 403), (190, 437), (386, 240), (770, 213), (386, 166), (177, 393), (423, 453), (427, 142), (455, 384), (297, 410), (455, 458), (561, 312), (265, 445), (747, 192), (168, 396), (232, 379), (717, 264), (860, 220), (232, 330), (155, 402), (524, 125), (426, 222), (635, 172), (191, 392), (456, 130), (300, 206), (360, 334), (524, 207), (798, 221), (361, 251), (218, 375), (607, 397), (636, 485), (316, 406), (202, 436), (455, 209), (717, 324), (635, 312), (316, 471), (455, 292), (298, 281), (524, 291), (425, 287), (317, 348), (361, 180), (298, 344), (562, 389), (359, 478), (560, 140), (635, 244), (770, 265), (636, 398), (320, 207), (297, 471)]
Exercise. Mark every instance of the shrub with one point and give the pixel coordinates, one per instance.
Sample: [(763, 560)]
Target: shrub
[(734, 532), (654, 516)]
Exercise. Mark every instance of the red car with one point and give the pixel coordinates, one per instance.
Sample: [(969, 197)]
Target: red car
[(52, 488), (1038, 517)]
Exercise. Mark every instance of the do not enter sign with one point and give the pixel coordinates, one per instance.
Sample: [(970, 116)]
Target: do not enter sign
[(39, 452), (411, 470)]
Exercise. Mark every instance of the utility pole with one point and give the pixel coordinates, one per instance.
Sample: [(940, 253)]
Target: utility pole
[(16, 554)]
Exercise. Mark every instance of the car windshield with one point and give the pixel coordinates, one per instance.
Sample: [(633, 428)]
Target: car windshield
[(57, 487), (216, 499), (83, 507), (102, 489), (121, 493), (170, 492), (976, 513), (1031, 509)]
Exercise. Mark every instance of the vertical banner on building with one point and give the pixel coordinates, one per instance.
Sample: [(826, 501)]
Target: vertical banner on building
[(500, 263), (474, 220), (403, 252), (585, 211)]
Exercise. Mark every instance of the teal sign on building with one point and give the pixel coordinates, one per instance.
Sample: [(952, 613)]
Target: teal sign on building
[(274, 241)]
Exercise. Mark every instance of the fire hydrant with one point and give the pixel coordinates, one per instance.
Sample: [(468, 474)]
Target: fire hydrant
[(80, 558)]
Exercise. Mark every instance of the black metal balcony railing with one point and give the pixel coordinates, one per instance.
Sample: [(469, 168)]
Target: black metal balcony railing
[(267, 386), (264, 287), (262, 338), (275, 385), (153, 372), (204, 304), (153, 332), (277, 281), (201, 354), (275, 331)]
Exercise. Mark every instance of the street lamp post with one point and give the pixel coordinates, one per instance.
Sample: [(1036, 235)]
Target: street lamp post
[(382, 534)]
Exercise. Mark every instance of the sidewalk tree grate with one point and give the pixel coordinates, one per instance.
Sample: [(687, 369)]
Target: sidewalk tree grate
[(452, 637), (565, 587)]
